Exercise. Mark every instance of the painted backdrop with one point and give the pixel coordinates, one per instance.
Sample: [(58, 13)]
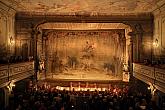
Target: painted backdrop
[(86, 54)]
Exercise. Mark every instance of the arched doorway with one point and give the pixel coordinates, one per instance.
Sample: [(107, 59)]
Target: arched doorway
[(25, 51)]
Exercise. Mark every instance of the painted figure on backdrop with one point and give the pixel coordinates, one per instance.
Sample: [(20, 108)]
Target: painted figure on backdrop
[(52, 66), (55, 63), (88, 50), (117, 44), (118, 56), (87, 56), (109, 68), (116, 63), (63, 68), (72, 62)]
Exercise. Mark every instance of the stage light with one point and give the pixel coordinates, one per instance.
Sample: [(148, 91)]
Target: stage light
[(99, 89), (152, 88), (103, 89), (114, 90), (61, 88), (67, 88)]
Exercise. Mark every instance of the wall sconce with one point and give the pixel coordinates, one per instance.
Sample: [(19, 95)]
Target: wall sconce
[(156, 43), (125, 67), (11, 40), (10, 85), (152, 88)]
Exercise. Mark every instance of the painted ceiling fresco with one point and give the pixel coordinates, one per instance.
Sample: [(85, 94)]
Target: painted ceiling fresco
[(93, 7)]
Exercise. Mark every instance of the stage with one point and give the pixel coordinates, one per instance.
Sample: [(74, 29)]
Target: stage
[(82, 85), (82, 79), (83, 75)]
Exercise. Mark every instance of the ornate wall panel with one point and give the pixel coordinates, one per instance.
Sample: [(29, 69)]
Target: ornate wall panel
[(4, 72), (143, 73), (150, 75), (23, 42), (163, 31), (159, 32), (160, 78), (7, 31)]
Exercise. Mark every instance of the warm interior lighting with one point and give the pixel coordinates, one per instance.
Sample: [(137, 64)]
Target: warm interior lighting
[(11, 40), (152, 88), (155, 43), (82, 88), (11, 85), (125, 67)]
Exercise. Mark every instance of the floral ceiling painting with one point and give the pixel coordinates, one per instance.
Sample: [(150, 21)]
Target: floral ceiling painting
[(87, 6)]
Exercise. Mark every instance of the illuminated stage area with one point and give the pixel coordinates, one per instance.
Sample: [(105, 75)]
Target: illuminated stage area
[(82, 85), (82, 75), (86, 55)]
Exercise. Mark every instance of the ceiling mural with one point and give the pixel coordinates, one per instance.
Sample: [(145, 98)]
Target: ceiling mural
[(92, 7)]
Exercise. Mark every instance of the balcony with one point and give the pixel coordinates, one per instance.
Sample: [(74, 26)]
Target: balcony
[(150, 75), (16, 72)]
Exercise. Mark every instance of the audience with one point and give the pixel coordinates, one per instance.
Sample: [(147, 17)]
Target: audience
[(15, 59), (42, 98)]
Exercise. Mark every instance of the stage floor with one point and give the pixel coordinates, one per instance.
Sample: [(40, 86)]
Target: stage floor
[(77, 75)]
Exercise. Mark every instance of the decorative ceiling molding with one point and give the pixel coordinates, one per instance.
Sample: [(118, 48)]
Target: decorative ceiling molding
[(83, 19), (83, 26), (63, 33)]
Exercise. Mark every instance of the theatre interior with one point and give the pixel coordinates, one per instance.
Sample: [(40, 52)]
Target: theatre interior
[(82, 54)]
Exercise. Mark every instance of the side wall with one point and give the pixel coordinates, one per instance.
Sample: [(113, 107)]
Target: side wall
[(7, 30), (159, 32)]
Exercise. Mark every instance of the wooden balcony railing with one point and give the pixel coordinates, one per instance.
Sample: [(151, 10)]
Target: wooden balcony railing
[(150, 75), (16, 72)]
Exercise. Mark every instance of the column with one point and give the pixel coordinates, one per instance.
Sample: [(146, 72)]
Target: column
[(34, 34), (131, 56), (132, 48), (6, 96), (45, 54)]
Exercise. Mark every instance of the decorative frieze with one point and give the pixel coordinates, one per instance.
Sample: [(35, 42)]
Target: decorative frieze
[(15, 72), (144, 70), (143, 78), (160, 74), (3, 71)]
